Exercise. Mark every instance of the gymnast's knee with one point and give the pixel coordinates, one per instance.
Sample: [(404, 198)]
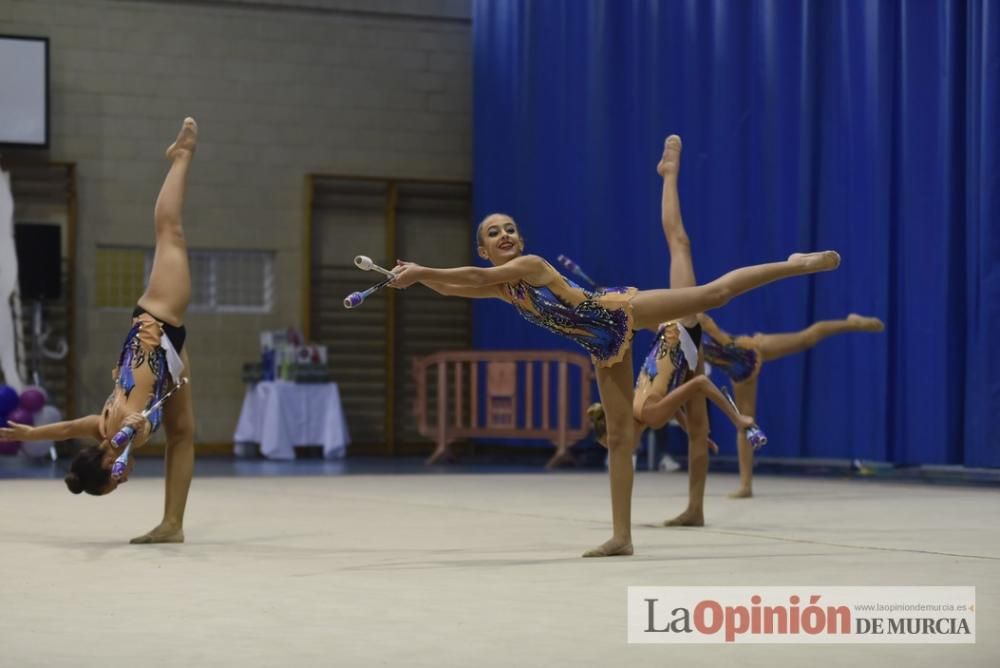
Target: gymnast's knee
[(678, 240), (168, 223), (180, 433), (619, 436), (697, 429), (718, 293)]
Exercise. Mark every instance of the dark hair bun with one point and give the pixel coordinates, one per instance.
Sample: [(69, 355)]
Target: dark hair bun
[(74, 483)]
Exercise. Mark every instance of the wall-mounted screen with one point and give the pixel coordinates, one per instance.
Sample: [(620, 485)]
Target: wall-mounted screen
[(24, 91)]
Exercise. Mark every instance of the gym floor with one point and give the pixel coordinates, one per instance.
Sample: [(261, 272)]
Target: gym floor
[(388, 566)]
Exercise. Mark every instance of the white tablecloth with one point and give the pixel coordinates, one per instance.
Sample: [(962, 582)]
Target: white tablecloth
[(281, 415)]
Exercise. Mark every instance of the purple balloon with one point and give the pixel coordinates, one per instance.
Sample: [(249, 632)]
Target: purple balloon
[(33, 400), (8, 399), (21, 416)]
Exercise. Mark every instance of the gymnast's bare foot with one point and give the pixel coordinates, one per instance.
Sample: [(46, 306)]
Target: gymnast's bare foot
[(670, 161), (186, 140), (866, 324), (742, 493), (689, 518), (613, 548), (164, 533), (821, 261)]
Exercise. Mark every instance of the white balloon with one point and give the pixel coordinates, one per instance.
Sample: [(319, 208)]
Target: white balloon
[(47, 415)]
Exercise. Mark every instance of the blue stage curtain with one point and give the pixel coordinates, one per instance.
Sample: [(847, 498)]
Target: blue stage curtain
[(865, 127)]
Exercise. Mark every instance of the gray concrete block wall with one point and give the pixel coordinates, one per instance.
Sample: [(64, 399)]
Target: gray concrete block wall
[(278, 93)]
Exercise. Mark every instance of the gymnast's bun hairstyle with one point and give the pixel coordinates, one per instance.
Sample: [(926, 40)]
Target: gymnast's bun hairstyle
[(87, 474), (74, 483), (595, 412)]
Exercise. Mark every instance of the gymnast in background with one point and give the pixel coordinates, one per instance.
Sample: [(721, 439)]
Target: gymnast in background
[(740, 359), (671, 383), (148, 369), (602, 322)]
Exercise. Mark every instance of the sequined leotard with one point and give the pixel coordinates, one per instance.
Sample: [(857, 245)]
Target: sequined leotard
[(674, 352), (146, 368), (736, 356), (599, 321)]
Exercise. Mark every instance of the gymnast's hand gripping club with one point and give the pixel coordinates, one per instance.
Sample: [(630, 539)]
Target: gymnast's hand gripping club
[(127, 433), (755, 435), (365, 263)]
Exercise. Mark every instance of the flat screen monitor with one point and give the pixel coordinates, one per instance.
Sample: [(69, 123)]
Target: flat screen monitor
[(24, 91)]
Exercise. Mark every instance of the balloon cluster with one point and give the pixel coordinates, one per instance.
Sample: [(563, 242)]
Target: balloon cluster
[(21, 409)]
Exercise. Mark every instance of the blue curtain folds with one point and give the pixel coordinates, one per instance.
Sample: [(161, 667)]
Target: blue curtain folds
[(866, 127)]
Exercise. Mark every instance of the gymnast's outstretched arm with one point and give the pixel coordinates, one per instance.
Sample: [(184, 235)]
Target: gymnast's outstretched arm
[(451, 290), (529, 268), (656, 412), (85, 427)]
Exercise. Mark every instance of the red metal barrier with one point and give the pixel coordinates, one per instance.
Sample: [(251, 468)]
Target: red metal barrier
[(511, 407)]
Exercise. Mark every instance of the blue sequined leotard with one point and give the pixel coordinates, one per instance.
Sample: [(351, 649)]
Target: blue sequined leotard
[(133, 356), (736, 356), (667, 355), (147, 366), (599, 321)]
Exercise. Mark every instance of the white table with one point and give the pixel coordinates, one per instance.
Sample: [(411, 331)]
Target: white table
[(280, 415)]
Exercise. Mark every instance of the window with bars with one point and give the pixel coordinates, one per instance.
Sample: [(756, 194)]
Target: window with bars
[(222, 281), (232, 281)]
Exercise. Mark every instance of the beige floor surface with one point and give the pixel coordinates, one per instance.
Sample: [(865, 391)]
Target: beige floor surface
[(459, 570)]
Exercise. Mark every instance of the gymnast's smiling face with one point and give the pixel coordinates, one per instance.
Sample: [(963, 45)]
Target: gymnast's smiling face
[(499, 239)]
